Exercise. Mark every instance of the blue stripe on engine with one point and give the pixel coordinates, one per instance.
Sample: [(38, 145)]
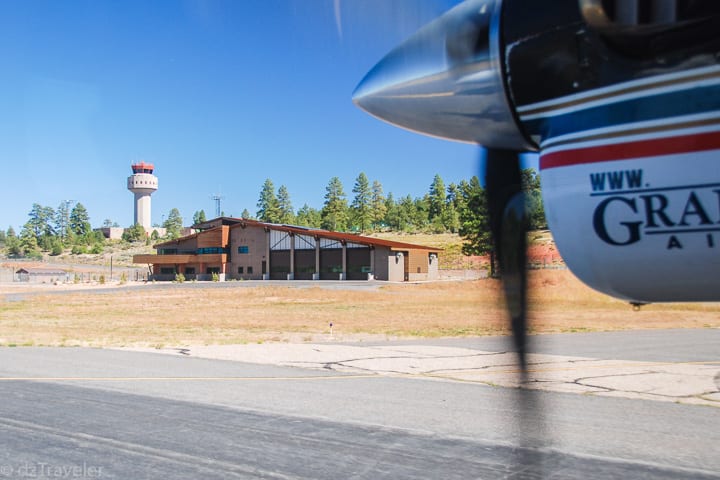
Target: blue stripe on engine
[(671, 104)]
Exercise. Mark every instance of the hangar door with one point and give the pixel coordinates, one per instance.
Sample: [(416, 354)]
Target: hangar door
[(358, 261), (279, 255)]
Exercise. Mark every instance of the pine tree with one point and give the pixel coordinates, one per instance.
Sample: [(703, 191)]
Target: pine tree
[(378, 205), (173, 224), (450, 218), (309, 217), (454, 195), (199, 217), (436, 199), (246, 214), (362, 202), (475, 223), (12, 243), (285, 208), (79, 220), (62, 219), (334, 212), (533, 198), (268, 208), (405, 213), (40, 221), (40, 227), (421, 218), (28, 240), (391, 213)]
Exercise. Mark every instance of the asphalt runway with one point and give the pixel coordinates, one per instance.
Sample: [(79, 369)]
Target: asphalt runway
[(89, 413), (671, 345)]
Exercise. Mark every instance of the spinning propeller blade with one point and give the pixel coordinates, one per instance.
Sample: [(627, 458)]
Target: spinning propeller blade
[(508, 222), (447, 81)]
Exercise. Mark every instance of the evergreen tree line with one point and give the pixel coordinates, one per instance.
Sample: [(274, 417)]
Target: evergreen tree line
[(53, 230), (456, 208)]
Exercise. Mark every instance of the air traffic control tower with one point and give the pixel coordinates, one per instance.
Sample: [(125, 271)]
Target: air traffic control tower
[(143, 184)]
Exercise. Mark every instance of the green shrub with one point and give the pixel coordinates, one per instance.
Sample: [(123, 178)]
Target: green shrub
[(215, 277), (57, 249), (179, 277), (34, 255)]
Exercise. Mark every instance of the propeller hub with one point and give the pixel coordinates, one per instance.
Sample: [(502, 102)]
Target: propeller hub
[(447, 81)]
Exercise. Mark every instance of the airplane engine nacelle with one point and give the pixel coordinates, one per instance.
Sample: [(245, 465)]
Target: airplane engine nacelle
[(629, 139), (625, 115)]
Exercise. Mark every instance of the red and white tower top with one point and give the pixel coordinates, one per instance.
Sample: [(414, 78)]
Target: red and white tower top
[(143, 167), (143, 184)]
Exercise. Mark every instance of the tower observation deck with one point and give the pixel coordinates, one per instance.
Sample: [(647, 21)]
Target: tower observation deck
[(143, 184)]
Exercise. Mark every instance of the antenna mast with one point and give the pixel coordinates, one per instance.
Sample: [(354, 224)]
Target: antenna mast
[(217, 198)]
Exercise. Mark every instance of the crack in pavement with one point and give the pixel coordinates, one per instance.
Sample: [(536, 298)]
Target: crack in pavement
[(582, 382), (682, 382), (579, 381)]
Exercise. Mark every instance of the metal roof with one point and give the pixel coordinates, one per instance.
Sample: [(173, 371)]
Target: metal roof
[(41, 271), (315, 232)]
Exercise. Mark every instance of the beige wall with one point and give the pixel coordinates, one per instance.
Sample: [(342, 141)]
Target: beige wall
[(396, 266), (255, 239), (433, 270)]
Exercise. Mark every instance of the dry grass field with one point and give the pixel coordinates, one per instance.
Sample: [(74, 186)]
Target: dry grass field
[(182, 314)]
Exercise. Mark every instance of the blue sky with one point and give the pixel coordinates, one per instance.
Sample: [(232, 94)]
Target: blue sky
[(219, 95)]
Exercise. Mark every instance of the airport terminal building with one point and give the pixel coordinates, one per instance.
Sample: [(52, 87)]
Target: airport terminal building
[(241, 249)]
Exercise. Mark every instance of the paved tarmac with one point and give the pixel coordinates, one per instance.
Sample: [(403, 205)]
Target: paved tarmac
[(669, 345), (669, 365), (116, 414)]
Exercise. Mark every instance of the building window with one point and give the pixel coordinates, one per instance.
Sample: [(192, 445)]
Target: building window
[(240, 270), (249, 270), (210, 250), (243, 249), (211, 270), (167, 270), (190, 270)]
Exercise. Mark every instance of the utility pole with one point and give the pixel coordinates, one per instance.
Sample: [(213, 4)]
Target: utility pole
[(66, 218)]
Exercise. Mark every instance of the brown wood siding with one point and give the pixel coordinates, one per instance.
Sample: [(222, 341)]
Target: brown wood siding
[(418, 262), (184, 245), (217, 237)]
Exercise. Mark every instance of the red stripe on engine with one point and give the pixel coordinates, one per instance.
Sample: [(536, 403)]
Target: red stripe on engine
[(625, 151)]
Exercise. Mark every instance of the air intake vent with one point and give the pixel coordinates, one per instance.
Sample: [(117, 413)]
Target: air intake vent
[(646, 13), (655, 28), (641, 12)]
